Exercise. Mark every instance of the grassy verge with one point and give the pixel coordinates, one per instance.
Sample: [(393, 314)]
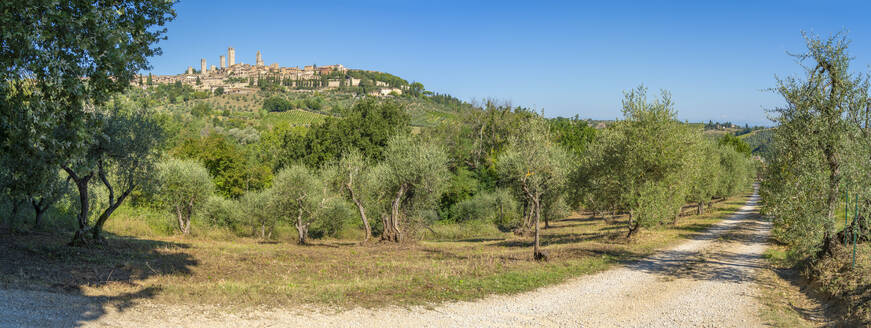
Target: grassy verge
[(782, 294), (811, 294), (340, 273)]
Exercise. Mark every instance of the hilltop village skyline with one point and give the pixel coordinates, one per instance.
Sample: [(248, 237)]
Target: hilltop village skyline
[(234, 77)]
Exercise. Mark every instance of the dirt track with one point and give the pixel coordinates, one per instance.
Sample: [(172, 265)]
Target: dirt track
[(705, 282)]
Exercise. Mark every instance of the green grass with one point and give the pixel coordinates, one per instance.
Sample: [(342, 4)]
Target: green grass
[(457, 262)]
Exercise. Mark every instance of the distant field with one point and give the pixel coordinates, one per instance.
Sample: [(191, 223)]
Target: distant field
[(454, 262)]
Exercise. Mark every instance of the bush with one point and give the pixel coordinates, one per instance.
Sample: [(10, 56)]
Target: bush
[(221, 212), (498, 207), (201, 109), (332, 218), (314, 103), (277, 104)]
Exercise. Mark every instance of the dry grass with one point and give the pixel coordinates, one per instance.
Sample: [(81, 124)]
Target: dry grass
[(783, 294), (341, 273), (828, 292)]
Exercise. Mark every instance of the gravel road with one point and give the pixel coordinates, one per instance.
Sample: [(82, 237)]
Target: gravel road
[(705, 282)]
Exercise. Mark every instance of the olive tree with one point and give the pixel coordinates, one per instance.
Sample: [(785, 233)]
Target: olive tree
[(536, 166), (735, 171), (183, 186), (120, 156), (812, 141), (52, 78), (637, 164), (52, 186), (348, 174), (297, 193), (703, 173), (409, 180), (256, 205)]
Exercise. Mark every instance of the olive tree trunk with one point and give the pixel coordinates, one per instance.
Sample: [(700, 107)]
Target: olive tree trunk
[(301, 228), (362, 211), (79, 238), (391, 225)]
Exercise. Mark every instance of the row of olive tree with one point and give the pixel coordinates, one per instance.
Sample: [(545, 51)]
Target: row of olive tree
[(399, 190), (649, 165)]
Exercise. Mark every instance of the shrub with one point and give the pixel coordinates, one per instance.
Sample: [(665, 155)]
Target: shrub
[(277, 104), (332, 217), (498, 207), (221, 212)]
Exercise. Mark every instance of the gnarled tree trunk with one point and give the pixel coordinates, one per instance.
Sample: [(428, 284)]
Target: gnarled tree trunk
[(633, 226), (391, 225), (80, 239), (832, 199), (113, 204)]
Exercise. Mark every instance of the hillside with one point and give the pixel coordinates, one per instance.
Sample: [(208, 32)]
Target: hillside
[(759, 140)]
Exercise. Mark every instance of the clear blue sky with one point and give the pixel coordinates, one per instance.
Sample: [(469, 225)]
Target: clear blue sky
[(565, 58)]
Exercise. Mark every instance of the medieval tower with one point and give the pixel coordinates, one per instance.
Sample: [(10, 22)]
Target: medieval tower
[(203, 66), (223, 62), (259, 59), (190, 70), (231, 53)]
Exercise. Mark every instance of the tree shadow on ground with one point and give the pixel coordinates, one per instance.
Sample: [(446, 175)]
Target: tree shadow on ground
[(44, 266), (554, 239), (713, 262)]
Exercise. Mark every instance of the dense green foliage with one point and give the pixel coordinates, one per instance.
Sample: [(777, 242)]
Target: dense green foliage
[(649, 164), (52, 78), (818, 162), (367, 127), (819, 149)]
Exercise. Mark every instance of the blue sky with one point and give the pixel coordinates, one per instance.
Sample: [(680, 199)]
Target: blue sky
[(716, 58)]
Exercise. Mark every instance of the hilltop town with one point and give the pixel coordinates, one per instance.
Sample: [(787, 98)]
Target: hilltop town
[(240, 78)]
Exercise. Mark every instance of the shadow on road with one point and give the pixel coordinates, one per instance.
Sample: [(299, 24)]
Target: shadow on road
[(722, 257)]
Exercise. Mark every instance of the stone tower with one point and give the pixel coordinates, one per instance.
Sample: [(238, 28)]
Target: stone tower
[(190, 69), (213, 68), (203, 68), (231, 54), (259, 59), (223, 62)]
